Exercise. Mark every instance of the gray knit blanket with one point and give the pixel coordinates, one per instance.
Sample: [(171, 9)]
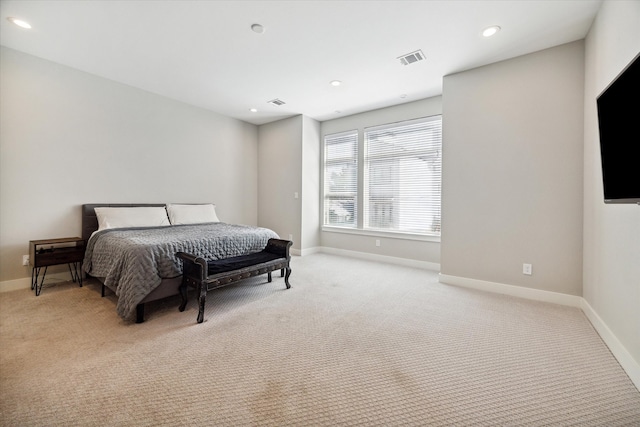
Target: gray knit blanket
[(133, 261)]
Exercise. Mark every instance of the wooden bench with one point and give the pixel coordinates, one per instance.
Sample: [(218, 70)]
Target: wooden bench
[(209, 275)]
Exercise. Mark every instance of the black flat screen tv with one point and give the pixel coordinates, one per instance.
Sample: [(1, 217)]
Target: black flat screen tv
[(619, 126)]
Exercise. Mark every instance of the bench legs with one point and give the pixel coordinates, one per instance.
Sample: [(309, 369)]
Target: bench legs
[(281, 275), (286, 278), (202, 297), (184, 290), (202, 292)]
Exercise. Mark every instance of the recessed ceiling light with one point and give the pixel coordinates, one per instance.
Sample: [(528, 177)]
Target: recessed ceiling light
[(335, 82), (257, 28), (253, 110), (489, 31), (20, 22), (404, 95)]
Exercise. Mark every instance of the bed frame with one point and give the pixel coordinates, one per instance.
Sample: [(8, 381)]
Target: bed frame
[(167, 288)]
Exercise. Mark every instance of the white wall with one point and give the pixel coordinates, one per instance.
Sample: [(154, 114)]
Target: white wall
[(289, 165), (425, 253), (611, 232), (512, 171), (280, 177), (310, 196), (68, 138)]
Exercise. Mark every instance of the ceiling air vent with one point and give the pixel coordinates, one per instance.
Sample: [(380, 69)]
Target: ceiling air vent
[(276, 102), (412, 57)]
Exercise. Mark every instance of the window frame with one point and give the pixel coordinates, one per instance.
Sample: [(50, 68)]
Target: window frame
[(359, 228), (344, 160)]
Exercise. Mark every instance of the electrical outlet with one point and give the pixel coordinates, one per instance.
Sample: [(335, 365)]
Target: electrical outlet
[(291, 237), (25, 259), (377, 242), (527, 269)]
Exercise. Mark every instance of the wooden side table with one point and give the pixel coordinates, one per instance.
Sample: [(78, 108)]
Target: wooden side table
[(43, 253)]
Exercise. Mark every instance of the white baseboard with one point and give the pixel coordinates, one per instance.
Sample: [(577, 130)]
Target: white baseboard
[(516, 291), (628, 363), (14, 285), (310, 251), (303, 252), (382, 258), (25, 282)]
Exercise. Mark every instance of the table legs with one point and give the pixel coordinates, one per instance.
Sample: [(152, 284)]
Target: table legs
[(74, 270)]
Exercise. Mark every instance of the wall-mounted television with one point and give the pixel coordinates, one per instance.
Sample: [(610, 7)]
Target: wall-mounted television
[(619, 126)]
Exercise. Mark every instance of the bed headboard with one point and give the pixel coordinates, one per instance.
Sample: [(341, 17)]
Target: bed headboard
[(90, 220)]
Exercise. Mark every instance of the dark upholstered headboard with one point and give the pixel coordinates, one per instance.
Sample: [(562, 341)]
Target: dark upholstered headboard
[(90, 221)]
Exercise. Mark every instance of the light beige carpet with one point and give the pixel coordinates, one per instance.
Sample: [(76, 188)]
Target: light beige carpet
[(352, 343)]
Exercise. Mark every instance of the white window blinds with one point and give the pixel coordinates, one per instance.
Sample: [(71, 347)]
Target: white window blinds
[(341, 179), (402, 176)]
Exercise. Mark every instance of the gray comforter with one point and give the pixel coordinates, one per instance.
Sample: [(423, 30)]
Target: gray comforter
[(133, 261)]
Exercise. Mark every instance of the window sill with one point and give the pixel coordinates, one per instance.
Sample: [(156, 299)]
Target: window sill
[(385, 234)]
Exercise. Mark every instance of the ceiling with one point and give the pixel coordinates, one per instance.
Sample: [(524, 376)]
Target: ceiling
[(204, 53)]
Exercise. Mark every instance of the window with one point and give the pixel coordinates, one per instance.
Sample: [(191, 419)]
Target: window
[(403, 164), (341, 179), (398, 182)]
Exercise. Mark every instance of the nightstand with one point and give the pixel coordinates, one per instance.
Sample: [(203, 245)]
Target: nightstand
[(43, 253)]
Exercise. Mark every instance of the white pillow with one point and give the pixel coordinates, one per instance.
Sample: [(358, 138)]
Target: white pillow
[(192, 214), (131, 217)]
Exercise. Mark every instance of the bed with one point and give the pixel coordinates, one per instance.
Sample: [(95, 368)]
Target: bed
[(139, 263)]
